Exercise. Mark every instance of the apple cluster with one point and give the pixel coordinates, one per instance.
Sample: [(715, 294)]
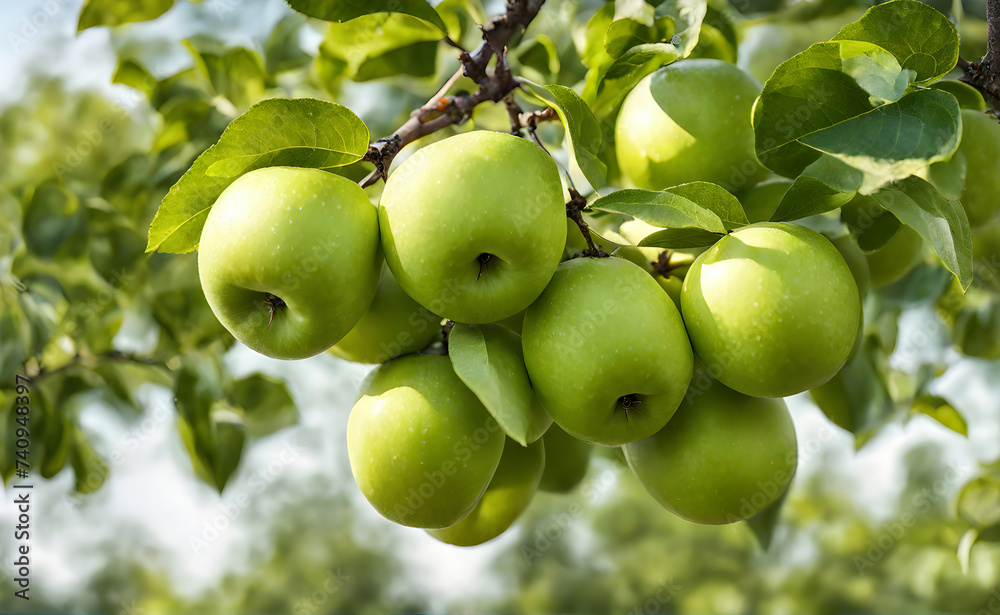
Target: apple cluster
[(687, 377)]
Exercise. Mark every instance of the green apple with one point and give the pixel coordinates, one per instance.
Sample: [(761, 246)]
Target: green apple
[(760, 201), (566, 461), (689, 121), (891, 248), (289, 259), (422, 446), (856, 261), (474, 226), (981, 147), (394, 325), (673, 286), (896, 258), (507, 496), (724, 456), (606, 351), (772, 309)]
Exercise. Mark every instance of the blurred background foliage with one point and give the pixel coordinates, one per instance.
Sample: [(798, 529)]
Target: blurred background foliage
[(114, 337)]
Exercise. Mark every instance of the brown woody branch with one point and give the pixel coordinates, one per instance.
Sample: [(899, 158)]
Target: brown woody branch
[(984, 74), (443, 110)]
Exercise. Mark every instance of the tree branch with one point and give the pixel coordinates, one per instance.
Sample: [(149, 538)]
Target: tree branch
[(984, 75), (442, 110)]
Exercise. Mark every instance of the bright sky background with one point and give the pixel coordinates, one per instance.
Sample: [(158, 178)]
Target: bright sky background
[(153, 487)]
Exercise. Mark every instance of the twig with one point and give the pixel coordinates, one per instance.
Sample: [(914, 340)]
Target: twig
[(444, 110), (984, 75), (574, 211)]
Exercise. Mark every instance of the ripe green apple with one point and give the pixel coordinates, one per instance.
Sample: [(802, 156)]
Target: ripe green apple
[(981, 147), (896, 258), (724, 456), (855, 260), (760, 201), (394, 325), (891, 248), (566, 461), (673, 286), (289, 259), (508, 495), (474, 226), (772, 309), (606, 351), (689, 121), (422, 446)]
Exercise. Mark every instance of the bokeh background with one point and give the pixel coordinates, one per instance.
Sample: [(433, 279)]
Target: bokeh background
[(868, 530)]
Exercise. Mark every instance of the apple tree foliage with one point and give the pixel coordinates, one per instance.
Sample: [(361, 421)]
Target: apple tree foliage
[(864, 124)]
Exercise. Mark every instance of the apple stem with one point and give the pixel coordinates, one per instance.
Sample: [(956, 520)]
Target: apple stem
[(443, 110), (666, 262), (984, 74), (446, 333), (574, 211)]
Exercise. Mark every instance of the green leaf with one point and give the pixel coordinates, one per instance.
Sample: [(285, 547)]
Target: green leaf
[(942, 223), (89, 470), (582, 129), (301, 132), (282, 51), (266, 403), (680, 238), (134, 75), (857, 397), (921, 37), (979, 502), (541, 55), (695, 205), (378, 46), (941, 411), (765, 522), (15, 336), (238, 74), (346, 10), (230, 436), (623, 34), (53, 215), (489, 360), (58, 444), (690, 14), (976, 328), (626, 72), (845, 98), (968, 97), (118, 12), (823, 186)]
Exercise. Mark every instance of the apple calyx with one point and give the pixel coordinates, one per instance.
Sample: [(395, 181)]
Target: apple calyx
[(629, 402), (273, 303), (484, 260)]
